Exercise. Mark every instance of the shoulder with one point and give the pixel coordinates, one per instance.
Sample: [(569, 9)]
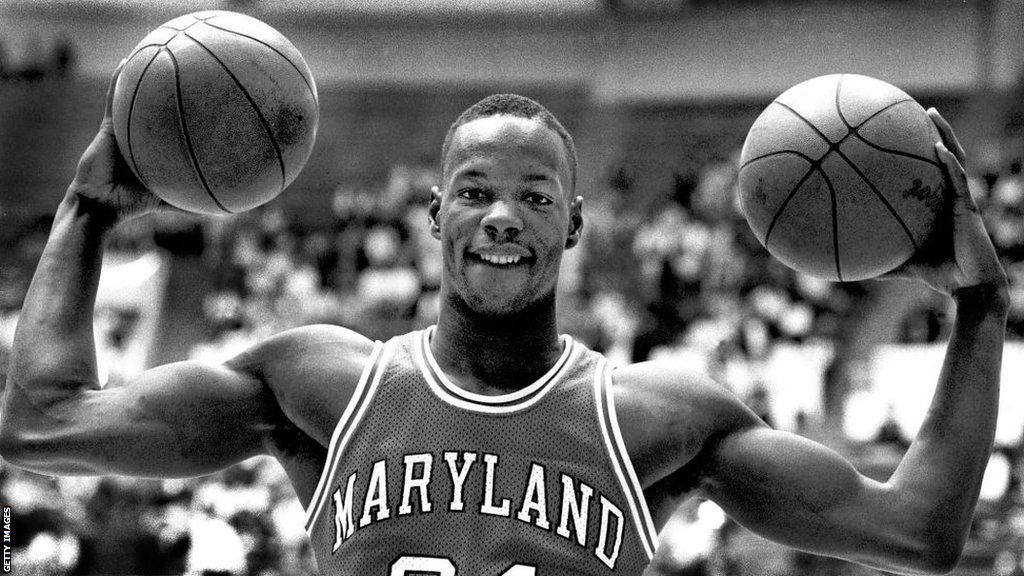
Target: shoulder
[(305, 348), (670, 391), (312, 371), (669, 415)]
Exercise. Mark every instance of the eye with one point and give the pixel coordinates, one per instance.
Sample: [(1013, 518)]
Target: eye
[(472, 193), (537, 199)]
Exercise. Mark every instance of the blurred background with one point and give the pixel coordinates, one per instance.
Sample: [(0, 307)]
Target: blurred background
[(659, 95)]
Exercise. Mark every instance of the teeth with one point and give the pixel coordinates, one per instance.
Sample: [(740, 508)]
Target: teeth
[(500, 259)]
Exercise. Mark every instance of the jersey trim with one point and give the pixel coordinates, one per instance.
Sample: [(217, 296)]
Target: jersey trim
[(451, 393), (368, 381), (620, 459)]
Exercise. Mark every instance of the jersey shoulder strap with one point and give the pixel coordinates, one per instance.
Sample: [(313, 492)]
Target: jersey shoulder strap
[(347, 424), (621, 464)]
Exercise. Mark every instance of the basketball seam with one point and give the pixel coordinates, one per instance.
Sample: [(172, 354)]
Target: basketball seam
[(775, 153), (131, 112), (839, 109), (873, 115), (897, 152), (856, 131), (862, 176), (879, 112), (881, 197), (255, 107), (195, 20), (828, 182), (835, 224), (188, 137), (811, 126), (305, 80), (140, 48), (166, 27), (796, 187)]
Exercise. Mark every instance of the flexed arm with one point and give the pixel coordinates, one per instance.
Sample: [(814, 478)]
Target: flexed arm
[(180, 419), (797, 492)]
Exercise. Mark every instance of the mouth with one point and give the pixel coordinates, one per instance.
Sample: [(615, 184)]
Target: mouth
[(502, 258)]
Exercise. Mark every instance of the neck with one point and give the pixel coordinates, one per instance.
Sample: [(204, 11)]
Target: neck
[(495, 354)]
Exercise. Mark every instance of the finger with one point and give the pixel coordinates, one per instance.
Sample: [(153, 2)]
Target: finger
[(107, 110), (948, 136), (955, 173)]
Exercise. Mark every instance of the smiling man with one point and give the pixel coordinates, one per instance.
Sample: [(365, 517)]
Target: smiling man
[(490, 444)]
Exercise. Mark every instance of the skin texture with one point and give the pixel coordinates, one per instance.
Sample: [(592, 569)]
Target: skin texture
[(507, 194)]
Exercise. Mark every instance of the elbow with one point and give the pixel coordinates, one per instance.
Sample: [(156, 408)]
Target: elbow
[(919, 550), (938, 555), (16, 439), (12, 446), (27, 427), (31, 453), (12, 449)]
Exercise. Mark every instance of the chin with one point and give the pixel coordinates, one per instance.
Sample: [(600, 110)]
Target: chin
[(496, 307), (502, 306)]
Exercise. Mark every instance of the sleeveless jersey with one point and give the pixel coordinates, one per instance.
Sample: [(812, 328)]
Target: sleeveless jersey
[(424, 478)]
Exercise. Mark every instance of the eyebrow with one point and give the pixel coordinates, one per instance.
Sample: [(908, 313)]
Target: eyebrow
[(537, 178), (527, 178)]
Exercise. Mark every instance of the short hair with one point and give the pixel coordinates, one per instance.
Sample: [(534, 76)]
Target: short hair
[(513, 105)]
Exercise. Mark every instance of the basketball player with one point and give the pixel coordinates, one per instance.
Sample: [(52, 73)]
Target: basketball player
[(489, 444)]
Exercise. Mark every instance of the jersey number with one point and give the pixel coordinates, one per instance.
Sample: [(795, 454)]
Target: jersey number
[(435, 566)]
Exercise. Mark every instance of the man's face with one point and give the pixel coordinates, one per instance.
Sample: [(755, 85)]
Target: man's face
[(504, 213)]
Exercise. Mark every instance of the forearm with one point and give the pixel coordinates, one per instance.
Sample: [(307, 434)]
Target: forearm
[(941, 474), (54, 352)]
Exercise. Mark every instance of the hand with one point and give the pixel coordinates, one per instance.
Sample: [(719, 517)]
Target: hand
[(104, 176), (959, 253)]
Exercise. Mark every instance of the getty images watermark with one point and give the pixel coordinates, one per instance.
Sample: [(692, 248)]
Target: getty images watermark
[(7, 539)]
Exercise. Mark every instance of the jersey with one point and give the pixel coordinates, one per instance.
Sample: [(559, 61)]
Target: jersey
[(423, 478)]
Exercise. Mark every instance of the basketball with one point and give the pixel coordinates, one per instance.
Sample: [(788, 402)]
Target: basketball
[(839, 177), (215, 112)]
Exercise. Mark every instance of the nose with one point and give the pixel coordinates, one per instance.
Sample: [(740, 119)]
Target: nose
[(502, 221)]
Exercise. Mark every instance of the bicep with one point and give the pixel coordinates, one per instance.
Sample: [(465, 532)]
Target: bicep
[(797, 492), (176, 420)]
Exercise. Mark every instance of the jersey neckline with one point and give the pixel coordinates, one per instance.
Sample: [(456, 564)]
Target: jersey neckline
[(448, 391)]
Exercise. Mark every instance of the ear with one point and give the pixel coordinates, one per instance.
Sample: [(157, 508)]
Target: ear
[(575, 222), (433, 211)]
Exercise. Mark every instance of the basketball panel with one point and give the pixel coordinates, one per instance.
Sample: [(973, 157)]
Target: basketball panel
[(276, 88), (764, 186), (158, 37), (814, 101), (904, 128), (158, 145), (777, 129), (124, 96), (862, 96), (181, 22), (232, 145), (914, 188), (257, 31), (802, 236), (870, 239)]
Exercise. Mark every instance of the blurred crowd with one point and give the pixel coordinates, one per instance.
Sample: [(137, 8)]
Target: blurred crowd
[(37, 60), (682, 276)]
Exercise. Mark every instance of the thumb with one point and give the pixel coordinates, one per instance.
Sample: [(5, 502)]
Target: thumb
[(109, 107)]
